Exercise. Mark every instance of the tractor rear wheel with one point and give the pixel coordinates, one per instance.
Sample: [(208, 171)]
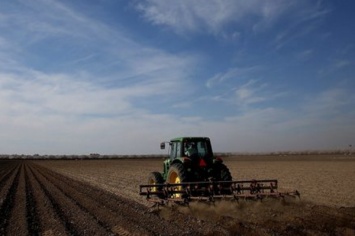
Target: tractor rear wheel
[(177, 175), (156, 178), (223, 174)]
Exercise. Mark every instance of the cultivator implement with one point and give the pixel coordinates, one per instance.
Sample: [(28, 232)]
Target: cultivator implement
[(210, 191)]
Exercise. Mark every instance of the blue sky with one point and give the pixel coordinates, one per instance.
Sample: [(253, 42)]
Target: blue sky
[(118, 77)]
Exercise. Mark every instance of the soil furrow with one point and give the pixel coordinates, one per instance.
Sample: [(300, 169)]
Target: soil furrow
[(91, 201), (8, 203), (5, 176), (31, 207), (126, 213), (18, 223), (76, 221), (4, 180), (49, 220), (88, 207)]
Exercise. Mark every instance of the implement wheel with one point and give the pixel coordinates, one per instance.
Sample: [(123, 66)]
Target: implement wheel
[(177, 175)]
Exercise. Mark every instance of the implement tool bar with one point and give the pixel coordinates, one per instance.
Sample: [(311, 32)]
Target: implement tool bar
[(272, 182), (213, 190)]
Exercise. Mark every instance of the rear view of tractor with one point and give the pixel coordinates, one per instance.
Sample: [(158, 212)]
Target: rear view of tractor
[(192, 172)]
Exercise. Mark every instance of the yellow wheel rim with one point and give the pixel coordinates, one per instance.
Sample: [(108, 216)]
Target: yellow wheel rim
[(152, 181), (175, 179)]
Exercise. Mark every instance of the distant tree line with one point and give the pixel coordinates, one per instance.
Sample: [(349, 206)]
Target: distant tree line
[(96, 156), (76, 157)]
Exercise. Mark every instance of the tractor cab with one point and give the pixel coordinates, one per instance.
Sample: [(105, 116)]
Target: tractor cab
[(194, 153), (190, 147)]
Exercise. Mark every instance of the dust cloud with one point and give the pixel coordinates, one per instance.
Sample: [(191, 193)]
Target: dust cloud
[(251, 211)]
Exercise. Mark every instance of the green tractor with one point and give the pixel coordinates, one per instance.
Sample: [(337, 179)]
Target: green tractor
[(192, 172), (191, 160)]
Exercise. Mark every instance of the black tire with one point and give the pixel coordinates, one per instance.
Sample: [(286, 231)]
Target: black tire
[(177, 174), (156, 178), (223, 174)]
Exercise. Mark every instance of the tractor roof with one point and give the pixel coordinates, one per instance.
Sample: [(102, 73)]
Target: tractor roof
[(180, 139)]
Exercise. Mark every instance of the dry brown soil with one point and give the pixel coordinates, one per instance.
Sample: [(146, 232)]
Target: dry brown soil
[(100, 197)]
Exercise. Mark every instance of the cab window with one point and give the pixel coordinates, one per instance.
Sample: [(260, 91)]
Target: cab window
[(202, 149), (175, 150), (172, 150)]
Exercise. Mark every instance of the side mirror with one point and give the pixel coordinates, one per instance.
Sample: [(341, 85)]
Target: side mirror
[(162, 145)]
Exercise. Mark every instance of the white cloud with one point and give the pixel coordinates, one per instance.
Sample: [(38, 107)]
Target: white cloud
[(213, 16), (322, 121), (342, 63), (56, 94), (88, 101), (250, 93), (91, 103), (182, 105), (197, 15), (305, 55), (56, 114), (241, 87), (331, 102), (235, 73), (102, 55), (335, 65), (304, 18)]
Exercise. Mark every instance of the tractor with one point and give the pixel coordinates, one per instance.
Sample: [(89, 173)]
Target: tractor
[(192, 172)]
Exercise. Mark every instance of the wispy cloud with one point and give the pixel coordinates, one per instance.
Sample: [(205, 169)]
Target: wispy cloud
[(335, 65), (58, 113), (303, 20), (70, 77), (94, 47), (250, 93), (75, 80), (320, 118), (241, 87), (214, 17), (233, 74), (305, 55), (342, 63), (198, 16), (331, 102)]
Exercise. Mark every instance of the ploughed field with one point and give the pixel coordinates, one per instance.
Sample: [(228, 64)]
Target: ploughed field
[(100, 197)]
